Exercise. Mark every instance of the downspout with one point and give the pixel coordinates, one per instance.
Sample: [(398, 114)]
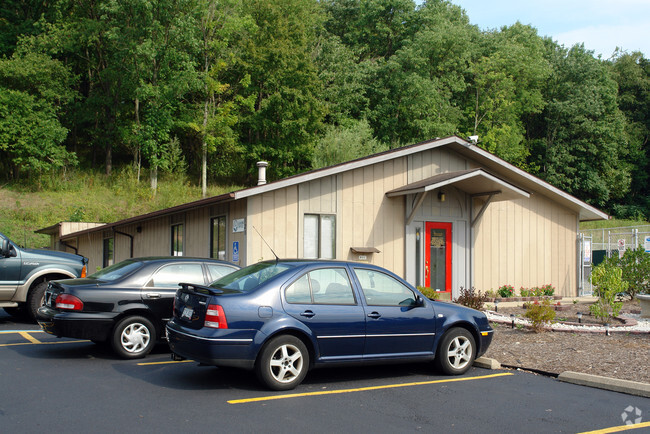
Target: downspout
[(127, 235), (76, 250)]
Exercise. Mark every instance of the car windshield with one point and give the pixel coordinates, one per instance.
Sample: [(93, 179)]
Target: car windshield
[(116, 271), (250, 277)]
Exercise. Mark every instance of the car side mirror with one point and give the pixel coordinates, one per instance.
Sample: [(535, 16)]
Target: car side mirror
[(419, 301), (4, 247)]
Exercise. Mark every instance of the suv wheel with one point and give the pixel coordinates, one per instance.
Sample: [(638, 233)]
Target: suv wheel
[(133, 337), (35, 299)]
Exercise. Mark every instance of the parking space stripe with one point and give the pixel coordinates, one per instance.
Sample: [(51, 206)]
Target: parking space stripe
[(363, 389), (29, 337), (164, 363), (42, 343), (4, 332), (618, 428)]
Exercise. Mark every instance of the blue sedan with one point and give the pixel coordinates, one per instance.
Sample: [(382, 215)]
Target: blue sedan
[(282, 318)]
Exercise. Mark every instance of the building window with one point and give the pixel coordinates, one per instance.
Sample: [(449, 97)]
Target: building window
[(177, 240), (109, 253), (319, 236), (218, 238)]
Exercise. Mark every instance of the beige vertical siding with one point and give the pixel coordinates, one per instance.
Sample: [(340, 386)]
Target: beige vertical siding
[(527, 242)]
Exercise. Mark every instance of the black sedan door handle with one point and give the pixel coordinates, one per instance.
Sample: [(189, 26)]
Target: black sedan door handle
[(374, 315), (308, 314)]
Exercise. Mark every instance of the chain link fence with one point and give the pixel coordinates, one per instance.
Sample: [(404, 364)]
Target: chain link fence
[(595, 245)]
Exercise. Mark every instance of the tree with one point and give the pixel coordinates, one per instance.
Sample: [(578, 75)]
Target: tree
[(287, 112), (583, 145), (632, 73), (34, 88), (345, 143), (414, 94), (507, 86)]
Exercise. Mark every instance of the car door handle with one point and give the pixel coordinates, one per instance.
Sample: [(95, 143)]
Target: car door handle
[(308, 314), (153, 295), (374, 315)]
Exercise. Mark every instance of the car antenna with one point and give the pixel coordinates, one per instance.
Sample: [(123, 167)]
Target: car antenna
[(267, 245)]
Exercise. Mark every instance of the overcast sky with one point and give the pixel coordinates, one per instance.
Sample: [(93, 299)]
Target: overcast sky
[(602, 25)]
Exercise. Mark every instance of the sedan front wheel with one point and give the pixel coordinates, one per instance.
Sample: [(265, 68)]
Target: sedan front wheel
[(133, 337), (456, 352), (283, 363)]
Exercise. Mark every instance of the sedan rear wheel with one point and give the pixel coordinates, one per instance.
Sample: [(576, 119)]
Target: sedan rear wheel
[(133, 337), (457, 351), (283, 363)]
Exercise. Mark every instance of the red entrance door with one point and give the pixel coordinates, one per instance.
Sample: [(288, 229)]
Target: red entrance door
[(437, 256)]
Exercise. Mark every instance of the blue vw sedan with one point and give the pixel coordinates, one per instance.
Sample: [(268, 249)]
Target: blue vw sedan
[(282, 318)]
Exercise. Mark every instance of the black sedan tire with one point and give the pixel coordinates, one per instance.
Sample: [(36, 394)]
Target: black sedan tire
[(283, 363), (133, 337), (456, 352)]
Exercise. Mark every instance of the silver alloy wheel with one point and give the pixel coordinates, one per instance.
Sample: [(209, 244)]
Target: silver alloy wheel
[(135, 337), (459, 352), (286, 363)]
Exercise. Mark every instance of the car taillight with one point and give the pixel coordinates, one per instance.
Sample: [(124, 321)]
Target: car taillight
[(83, 272), (68, 302), (215, 317)]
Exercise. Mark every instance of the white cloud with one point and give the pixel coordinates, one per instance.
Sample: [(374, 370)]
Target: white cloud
[(604, 39)]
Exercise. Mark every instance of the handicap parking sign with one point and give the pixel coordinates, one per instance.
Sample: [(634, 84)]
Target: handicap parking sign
[(647, 244), (235, 251)]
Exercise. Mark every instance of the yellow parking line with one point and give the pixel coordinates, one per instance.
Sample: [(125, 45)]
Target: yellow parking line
[(618, 428), (6, 332), (362, 389), (42, 343), (29, 337), (164, 363)]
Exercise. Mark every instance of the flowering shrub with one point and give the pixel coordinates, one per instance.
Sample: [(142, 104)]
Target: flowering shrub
[(548, 290), (506, 291), (524, 292)]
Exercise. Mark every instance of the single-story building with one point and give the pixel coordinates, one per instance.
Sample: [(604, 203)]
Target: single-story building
[(442, 213)]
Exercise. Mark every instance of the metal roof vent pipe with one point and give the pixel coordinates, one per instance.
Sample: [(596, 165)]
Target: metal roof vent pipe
[(261, 167)]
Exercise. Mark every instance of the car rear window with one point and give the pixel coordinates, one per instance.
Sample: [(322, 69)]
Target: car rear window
[(116, 271), (249, 278)]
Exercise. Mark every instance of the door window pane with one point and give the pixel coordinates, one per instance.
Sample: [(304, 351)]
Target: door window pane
[(380, 289), (311, 237), (109, 254), (170, 276), (438, 259)]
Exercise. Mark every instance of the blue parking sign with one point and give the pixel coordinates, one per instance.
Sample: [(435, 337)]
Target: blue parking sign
[(235, 251), (647, 244)]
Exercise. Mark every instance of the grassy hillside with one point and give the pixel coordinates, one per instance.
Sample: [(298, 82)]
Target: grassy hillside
[(90, 198)]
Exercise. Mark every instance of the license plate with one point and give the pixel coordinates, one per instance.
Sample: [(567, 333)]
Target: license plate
[(187, 313)]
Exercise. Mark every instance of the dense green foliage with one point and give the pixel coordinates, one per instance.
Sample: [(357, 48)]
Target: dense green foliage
[(204, 88)]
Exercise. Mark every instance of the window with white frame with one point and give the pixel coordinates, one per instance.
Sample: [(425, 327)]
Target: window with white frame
[(319, 236)]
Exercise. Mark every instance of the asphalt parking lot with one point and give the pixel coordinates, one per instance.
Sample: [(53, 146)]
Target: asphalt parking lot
[(60, 385)]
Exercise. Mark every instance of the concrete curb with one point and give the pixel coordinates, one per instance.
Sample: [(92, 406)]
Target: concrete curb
[(487, 363), (623, 386)]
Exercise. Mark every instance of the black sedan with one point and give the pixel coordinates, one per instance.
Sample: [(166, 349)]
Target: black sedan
[(126, 304), (281, 318)]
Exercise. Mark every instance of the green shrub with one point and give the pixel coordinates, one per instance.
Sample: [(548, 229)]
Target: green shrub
[(429, 293), (524, 292), (635, 265), (608, 282), (506, 291), (471, 298), (540, 314)]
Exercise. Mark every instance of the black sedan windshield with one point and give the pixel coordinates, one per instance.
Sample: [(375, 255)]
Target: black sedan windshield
[(251, 277)]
